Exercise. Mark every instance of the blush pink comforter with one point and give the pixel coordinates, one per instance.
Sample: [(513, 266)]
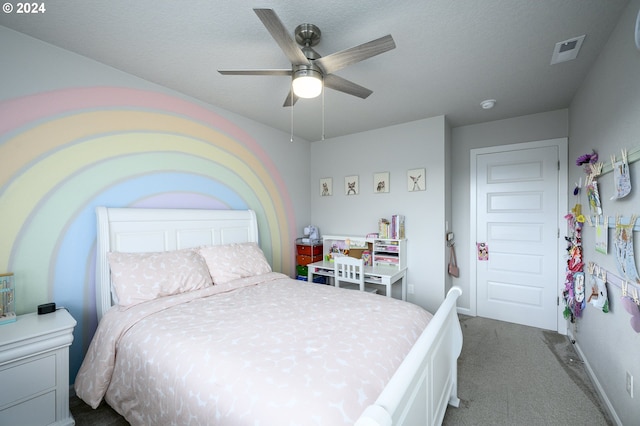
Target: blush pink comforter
[(265, 350)]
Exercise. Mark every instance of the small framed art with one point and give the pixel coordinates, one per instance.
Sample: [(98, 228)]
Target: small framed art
[(416, 180), (326, 187), (351, 185), (381, 182)]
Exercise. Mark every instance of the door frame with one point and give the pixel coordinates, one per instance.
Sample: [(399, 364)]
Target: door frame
[(563, 182)]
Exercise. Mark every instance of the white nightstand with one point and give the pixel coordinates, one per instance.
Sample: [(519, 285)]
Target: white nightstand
[(34, 369)]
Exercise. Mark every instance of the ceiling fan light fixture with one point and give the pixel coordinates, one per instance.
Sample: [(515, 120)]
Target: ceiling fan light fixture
[(307, 83), (308, 67)]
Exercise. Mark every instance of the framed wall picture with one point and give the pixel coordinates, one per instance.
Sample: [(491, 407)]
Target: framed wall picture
[(326, 187), (416, 180), (381, 182), (351, 186)]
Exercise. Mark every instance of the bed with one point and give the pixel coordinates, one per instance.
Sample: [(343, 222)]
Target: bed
[(252, 347)]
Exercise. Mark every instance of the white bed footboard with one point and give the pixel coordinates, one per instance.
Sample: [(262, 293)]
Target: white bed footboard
[(427, 379)]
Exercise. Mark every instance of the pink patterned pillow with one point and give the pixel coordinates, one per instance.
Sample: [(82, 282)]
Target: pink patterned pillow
[(138, 277), (230, 262)]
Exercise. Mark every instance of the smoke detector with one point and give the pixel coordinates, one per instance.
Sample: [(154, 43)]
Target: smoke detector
[(567, 50), (488, 104)]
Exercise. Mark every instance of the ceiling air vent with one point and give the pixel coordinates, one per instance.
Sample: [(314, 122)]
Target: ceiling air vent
[(567, 50)]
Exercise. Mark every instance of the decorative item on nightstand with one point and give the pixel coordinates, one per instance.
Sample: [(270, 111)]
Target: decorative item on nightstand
[(7, 298)]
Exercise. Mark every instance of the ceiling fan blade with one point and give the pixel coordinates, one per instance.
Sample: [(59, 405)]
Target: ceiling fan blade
[(281, 36), (289, 101), (336, 61), (286, 72), (334, 82)]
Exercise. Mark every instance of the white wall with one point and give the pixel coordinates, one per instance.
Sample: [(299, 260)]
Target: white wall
[(394, 149), (605, 116), (548, 125)]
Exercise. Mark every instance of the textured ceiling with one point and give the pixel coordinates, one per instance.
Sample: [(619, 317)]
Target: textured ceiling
[(450, 54)]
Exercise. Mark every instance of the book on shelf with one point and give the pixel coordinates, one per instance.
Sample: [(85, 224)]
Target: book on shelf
[(383, 228), (393, 229), (397, 227)]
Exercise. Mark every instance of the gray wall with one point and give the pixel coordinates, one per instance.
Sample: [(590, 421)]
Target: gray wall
[(394, 149), (605, 116)]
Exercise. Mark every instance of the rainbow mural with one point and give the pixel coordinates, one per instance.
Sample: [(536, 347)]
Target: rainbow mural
[(66, 152)]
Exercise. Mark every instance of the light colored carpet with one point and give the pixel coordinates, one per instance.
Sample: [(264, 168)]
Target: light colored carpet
[(510, 374), (104, 415)]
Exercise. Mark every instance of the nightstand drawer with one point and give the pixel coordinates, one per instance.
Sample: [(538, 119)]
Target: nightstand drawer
[(40, 410), (30, 377)]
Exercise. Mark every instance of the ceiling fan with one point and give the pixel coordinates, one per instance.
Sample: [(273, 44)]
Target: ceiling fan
[(309, 70)]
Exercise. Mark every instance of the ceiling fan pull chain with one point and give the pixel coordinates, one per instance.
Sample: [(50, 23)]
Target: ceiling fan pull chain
[(292, 104), (323, 113)]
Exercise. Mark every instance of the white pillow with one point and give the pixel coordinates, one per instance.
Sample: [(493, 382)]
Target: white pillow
[(138, 277), (230, 262)]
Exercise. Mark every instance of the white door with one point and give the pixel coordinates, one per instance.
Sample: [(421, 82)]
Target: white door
[(517, 215)]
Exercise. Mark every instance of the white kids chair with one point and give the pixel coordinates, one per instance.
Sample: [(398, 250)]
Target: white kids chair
[(349, 270)]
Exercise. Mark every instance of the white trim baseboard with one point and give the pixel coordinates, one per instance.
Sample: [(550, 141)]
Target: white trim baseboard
[(603, 396)]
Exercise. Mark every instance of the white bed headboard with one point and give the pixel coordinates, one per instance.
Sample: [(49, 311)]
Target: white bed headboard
[(136, 230)]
